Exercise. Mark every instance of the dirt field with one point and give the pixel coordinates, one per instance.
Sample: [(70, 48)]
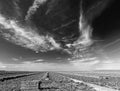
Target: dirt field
[(54, 81)]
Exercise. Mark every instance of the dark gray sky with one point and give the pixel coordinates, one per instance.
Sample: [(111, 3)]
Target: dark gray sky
[(60, 19)]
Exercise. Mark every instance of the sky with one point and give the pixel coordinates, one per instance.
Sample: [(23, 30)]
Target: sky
[(46, 37)]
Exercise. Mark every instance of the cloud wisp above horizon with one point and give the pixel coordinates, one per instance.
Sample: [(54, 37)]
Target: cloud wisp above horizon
[(42, 35)]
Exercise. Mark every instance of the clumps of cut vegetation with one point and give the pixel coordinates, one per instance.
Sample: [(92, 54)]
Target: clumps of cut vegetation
[(100, 79), (42, 81)]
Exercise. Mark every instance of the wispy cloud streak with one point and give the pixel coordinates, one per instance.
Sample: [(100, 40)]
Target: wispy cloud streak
[(26, 36), (82, 44), (34, 8)]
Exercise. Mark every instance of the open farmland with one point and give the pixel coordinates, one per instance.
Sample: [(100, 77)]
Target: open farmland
[(109, 79), (49, 81), (41, 81)]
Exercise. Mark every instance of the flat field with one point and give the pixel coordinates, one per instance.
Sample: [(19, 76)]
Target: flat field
[(109, 79), (59, 81)]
